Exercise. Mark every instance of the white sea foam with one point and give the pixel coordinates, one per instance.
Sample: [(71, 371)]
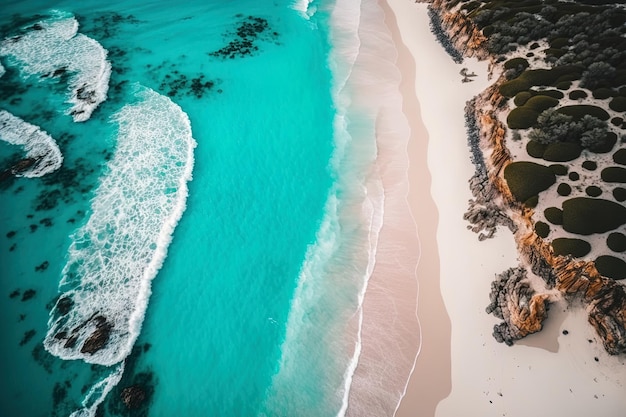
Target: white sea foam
[(116, 254), (38, 145), (306, 8), (2, 70), (54, 46), (98, 393)]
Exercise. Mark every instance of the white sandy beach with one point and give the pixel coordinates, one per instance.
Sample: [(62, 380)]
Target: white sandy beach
[(546, 374)]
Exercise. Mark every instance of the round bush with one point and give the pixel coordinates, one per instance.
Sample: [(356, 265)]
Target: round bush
[(618, 104), (578, 111), (573, 176), (617, 121), (535, 149), (521, 98), (527, 179), (614, 174), (607, 146), (562, 152), (590, 165), (585, 216), (559, 169), (542, 229), (574, 247), (619, 194), (550, 93), (554, 215), (620, 157), (616, 242), (603, 93), (511, 88), (559, 42), (578, 94), (611, 267), (593, 191), (563, 85), (522, 118), (564, 189), (516, 62), (540, 103), (532, 201)]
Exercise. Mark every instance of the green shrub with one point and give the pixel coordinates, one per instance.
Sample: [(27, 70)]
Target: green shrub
[(577, 94), (535, 149), (542, 76), (550, 93), (613, 174), (620, 156), (575, 247), (532, 201), (593, 191), (559, 42), (542, 229), (527, 179), (616, 242), (564, 189), (585, 216), (522, 118), (554, 215), (540, 103), (511, 88), (521, 98), (607, 146), (562, 152), (618, 104), (578, 111), (590, 165), (563, 85), (619, 194), (559, 169), (603, 93), (574, 176), (516, 62), (617, 121), (611, 267), (555, 52)]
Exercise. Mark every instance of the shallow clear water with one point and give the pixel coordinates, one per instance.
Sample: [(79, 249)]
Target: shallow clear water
[(252, 311)]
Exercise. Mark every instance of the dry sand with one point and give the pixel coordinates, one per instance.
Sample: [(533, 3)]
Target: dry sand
[(547, 374)]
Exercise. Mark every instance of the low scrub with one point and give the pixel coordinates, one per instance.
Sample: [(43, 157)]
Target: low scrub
[(620, 157), (578, 111), (618, 104), (562, 152), (527, 179), (585, 216), (611, 267), (554, 215), (614, 174), (575, 247), (616, 242), (522, 118)]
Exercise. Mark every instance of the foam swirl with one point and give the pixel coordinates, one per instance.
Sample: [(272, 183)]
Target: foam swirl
[(2, 70), (42, 153), (52, 48), (116, 254)]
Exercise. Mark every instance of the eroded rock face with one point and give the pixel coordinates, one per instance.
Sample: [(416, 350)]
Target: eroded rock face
[(99, 338), (517, 303)]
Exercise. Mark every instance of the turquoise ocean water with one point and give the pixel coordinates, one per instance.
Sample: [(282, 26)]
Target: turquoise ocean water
[(236, 297)]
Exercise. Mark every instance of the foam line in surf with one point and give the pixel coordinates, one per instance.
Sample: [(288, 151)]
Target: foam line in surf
[(40, 148), (2, 70), (53, 47), (98, 393), (116, 254)]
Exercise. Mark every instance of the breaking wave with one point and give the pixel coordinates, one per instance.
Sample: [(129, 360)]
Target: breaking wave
[(97, 394), (53, 48), (116, 254), (42, 153), (2, 70)]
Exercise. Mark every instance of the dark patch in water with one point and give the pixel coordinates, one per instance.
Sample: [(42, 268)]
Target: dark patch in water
[(105, 24), (245, 38), (11, 233), (62, 185), (46, 222), (176, 85), (42, 266), (15, 293), (27, 337), (12, 248), (43, 357), (59, 393), (22, 317), (28, 294), (33, 228), (133, 395)]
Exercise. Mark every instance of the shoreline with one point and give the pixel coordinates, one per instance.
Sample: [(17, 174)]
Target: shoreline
[(489, 378)]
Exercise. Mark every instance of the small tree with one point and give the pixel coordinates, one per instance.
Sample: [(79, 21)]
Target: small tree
[(597, 73), (552, 127)]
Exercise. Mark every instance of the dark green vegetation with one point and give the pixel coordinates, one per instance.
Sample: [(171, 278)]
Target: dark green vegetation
[(619, 157), (616, 242), (611, 267), (562, 152), (619, 194), (578, 111), (574, 247), (574, 176), (554, 215), (585, 216), (590, 165), (542, 229), (564, 189), (613, 174), (593, 191), (527, 179), (535, 149), (618, 104), (559, 169), (522, 118), (577, 94)]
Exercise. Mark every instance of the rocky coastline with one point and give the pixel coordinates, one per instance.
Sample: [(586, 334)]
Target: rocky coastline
[(521, 303)]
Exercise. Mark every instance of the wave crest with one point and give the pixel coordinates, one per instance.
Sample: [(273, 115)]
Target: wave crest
[(53, 47), (41, 149), (116, 254)]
